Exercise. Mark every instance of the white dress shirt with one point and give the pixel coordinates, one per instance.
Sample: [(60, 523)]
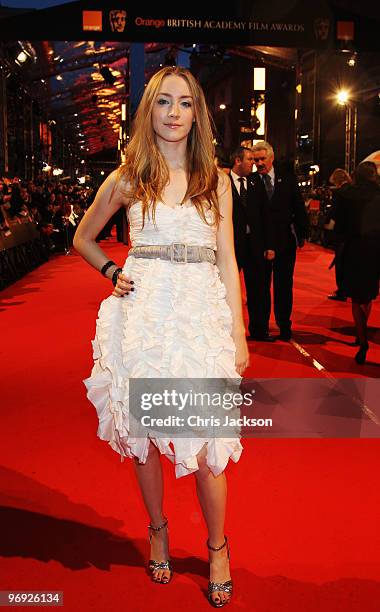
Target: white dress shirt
[(236, 180)]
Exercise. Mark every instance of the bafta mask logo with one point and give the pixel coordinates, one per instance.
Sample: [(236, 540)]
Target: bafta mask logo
[(321, 29), (118, 20)]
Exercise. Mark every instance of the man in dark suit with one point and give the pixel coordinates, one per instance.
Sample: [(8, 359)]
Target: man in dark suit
[(280, 194), (253, 238)]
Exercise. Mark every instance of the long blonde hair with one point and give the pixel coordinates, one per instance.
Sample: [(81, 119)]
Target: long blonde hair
[(145, 169)]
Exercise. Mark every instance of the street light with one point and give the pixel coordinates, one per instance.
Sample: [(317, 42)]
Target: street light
[(343, 98)]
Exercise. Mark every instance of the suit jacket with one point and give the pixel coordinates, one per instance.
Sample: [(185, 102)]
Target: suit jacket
[(337, 203), (286, 210), (358, 220), (257, 217)]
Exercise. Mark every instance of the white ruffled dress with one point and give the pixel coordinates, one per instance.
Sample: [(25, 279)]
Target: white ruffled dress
[(176, 323)]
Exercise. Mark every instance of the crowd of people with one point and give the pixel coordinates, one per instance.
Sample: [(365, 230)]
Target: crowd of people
[(56, 209)]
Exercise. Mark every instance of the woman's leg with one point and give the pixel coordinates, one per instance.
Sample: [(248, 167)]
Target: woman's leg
[(367, 310), (360, 313), (149, 477), (212, 495)]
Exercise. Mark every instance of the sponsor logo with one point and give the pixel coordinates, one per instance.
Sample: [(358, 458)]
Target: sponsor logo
[(92, 21), (156, 23), (345, 30), (321, 28), (117, 20)]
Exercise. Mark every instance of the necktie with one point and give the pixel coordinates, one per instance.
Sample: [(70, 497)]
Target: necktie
[(268, 185), (243, 191)]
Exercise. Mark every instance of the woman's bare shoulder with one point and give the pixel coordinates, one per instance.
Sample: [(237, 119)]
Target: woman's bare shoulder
[(224, 183), (119, 185)]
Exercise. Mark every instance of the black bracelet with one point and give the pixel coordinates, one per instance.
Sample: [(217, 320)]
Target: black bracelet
[(115, 275), (107, 265)]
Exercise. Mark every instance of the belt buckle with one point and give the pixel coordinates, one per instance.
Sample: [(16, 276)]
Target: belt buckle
[(173, 247)]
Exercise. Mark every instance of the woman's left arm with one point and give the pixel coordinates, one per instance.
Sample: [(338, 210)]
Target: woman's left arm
[(229, 274)]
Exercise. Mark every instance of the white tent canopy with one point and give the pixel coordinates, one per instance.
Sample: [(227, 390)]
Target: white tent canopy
[(374, 157)]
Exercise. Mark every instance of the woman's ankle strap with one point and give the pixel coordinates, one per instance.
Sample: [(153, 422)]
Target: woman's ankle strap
[(150, 526), (218, 547)]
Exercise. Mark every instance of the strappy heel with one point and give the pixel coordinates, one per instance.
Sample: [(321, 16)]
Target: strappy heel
[(153, 565), (226, 586)]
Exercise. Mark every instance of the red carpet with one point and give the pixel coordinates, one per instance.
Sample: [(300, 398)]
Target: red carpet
[(303, 514)]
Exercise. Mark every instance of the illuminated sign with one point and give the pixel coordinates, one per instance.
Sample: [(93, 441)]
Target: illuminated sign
[(92, 21)]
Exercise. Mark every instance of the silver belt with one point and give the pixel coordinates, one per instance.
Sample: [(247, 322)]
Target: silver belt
[(177, 252)]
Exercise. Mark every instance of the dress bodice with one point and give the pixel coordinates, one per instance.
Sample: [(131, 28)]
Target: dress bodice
[(178, 224)]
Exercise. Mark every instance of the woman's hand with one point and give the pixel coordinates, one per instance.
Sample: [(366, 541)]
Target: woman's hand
[(242, 353), (123, 286)]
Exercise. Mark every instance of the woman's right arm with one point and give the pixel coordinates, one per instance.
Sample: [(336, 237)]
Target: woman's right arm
[(108, 200)]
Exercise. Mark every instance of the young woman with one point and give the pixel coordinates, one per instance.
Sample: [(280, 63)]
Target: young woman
[(164, 319), (358, 221)]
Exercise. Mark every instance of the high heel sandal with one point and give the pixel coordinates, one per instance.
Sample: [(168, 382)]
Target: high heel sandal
[(219, 586), (361, 355), (154, 566)]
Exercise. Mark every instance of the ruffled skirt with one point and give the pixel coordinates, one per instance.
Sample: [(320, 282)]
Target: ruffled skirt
[(176, 324)]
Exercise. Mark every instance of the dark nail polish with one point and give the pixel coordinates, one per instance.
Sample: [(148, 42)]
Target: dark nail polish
[(132, 288), (132, 282)]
